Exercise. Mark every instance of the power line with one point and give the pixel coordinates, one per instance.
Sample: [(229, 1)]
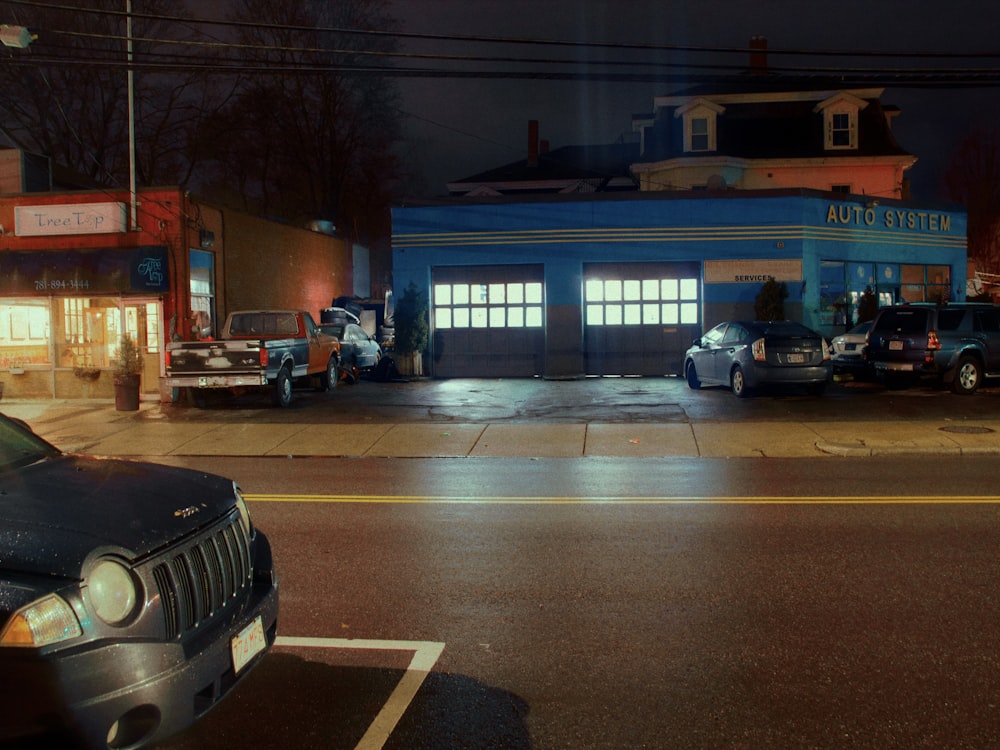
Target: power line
[(515, 40)]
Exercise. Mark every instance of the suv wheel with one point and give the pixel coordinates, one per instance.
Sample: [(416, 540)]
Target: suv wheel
[(968, 375)]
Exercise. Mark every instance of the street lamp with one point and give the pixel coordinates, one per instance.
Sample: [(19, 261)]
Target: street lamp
[(16, 36)]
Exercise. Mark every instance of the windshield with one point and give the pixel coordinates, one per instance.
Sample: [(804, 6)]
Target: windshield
[(19, 446)]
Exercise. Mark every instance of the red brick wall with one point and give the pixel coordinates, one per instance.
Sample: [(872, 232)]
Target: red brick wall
[(271, 265)]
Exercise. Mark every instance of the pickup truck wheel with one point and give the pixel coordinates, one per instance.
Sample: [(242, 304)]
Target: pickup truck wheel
[(283, 388), (329, 379), (968, 375)]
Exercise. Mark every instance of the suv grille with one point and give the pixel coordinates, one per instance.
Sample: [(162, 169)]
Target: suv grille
[(197, 582)]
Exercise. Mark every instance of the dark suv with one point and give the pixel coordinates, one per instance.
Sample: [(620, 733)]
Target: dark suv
[(957, 344)]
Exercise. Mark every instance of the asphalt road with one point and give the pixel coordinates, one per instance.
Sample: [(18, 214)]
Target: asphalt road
[(587, 603), (598, 603)]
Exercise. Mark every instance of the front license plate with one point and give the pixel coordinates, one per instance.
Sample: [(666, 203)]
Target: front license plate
[(895, 346), (247, 644), (795, 359)]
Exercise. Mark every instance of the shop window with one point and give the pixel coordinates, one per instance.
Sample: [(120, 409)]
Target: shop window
[(24, 333), (925, 283), (88, 330), (515, 304), (609, 302), (202, 288)]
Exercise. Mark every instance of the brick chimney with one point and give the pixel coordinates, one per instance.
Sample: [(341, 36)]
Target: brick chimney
[(758, 55), (532, 143)]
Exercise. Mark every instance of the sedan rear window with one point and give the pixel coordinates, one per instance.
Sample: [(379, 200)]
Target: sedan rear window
[(789, 329)]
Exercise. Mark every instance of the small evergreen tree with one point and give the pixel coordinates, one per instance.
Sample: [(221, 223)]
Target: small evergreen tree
[(770, 302), (410, 317)]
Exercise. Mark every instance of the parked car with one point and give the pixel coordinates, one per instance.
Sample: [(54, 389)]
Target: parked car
[(957, 344), (847, 351), (133, 596), (745, 355), (357, 348)]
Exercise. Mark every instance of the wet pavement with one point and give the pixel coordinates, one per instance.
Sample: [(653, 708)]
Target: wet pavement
[(515, 418)]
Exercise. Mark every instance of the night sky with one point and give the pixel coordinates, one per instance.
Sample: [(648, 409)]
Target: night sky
[(457, 127)]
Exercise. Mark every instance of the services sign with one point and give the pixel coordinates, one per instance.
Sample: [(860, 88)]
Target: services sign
[(752, 271)]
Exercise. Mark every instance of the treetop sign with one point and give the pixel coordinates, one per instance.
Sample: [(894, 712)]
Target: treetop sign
[(70, 218)]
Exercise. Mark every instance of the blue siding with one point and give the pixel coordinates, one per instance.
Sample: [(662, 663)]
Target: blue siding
[(789, 225)]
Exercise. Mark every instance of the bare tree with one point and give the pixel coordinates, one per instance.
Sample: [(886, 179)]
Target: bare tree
[(313, 139), (973, 179), (66, 95)]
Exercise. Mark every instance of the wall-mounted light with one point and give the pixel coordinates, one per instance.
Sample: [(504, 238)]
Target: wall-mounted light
[(16, 36), (206, 238)]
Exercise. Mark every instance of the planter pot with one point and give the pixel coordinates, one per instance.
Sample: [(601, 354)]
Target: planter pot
[(411, 363), (126, 392)]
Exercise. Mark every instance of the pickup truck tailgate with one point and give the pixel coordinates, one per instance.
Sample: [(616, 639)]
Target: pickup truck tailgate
[(214, 358)]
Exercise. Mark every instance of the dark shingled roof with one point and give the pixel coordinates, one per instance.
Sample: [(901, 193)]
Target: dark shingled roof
[(773, 130), (592, 163)]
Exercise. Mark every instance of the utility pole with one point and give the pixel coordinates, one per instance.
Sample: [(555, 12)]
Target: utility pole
[(134, 214)]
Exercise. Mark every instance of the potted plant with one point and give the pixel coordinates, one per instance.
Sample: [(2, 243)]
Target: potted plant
[(127, 372)]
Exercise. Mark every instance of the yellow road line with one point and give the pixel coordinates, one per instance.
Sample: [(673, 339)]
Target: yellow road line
[(750, 500)]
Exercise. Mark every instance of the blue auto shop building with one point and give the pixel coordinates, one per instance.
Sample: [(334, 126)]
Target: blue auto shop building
[(569, 286)]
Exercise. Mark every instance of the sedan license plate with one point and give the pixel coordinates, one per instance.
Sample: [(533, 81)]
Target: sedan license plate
[(895, 346), (795, 359), (247, 644)]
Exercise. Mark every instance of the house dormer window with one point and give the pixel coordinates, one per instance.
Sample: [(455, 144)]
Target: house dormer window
[(840, 121), (699, 116), (843, 130), (700, 140)]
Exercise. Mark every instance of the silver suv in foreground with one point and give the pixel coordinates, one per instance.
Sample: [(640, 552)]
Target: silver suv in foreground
[(957, 344)]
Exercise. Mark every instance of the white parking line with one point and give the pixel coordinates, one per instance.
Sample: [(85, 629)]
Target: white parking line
[(425, 656)]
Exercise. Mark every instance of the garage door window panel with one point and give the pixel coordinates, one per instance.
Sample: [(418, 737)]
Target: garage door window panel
[(488, 305), (636, 302)]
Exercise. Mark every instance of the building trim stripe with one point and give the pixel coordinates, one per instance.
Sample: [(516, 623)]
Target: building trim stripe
[(779, 233)]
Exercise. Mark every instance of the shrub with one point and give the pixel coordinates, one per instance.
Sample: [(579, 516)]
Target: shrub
[(770, 302)]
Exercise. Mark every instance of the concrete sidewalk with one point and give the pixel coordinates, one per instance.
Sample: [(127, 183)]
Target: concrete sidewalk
[(95, 427)]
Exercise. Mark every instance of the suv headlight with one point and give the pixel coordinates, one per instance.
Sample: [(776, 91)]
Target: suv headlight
[(41, 623), (112, 591), (241, 505)]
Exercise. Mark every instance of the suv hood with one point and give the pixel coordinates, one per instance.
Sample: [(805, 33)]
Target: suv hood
[(56, 512)]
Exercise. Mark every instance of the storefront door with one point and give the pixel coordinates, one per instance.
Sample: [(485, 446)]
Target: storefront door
[(143, 322)]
